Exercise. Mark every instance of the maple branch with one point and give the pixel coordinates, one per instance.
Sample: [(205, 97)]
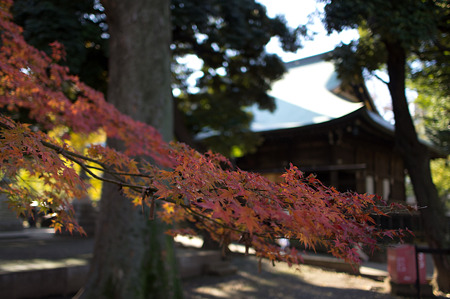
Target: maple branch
[(121, 182), (3, 125), (121, 173), (54, 147), (190, 210), (85, 168), (72, 156), (104, 168), (266, 236), (67, 153)]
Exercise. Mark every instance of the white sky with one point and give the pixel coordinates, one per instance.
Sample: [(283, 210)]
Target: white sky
[(297, 12), (300, 12)]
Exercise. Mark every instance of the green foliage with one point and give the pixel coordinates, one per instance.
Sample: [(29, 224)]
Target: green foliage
[(441, 178), (418, 28), (406, 21), (352, 59), (421, 28), (434, 113), (410, 23), (228, 36), (78, 25), (432, 81), (430, 76), (232, 205)]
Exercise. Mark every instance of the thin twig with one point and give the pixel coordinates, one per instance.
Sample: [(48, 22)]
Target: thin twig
[(379, 78)]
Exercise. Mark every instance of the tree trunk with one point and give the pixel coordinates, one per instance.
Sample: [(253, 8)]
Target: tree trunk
[(417, 159), (133, 258)]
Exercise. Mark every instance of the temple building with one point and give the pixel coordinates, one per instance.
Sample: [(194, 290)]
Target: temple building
[(330, 130)]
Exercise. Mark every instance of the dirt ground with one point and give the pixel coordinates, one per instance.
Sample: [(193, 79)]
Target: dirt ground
[(282, 282), (272, 282)]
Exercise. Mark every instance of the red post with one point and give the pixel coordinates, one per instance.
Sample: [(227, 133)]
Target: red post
[(402, 265)]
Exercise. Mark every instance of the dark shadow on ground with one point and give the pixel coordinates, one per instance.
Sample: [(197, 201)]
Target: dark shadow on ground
[(277, 282), (272, 282), (50, 247)]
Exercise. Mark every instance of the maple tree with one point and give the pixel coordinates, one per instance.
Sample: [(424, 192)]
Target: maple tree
[(227, 37), (233, 205)]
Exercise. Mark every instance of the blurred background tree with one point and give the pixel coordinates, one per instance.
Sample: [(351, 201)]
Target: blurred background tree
[(226, 40), (432, 83), (409, 39)]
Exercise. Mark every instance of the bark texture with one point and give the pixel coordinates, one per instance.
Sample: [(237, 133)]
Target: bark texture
[(133, 258), (417, 159)]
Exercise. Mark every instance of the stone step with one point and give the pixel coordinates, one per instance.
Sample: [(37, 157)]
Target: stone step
[(38, 278)]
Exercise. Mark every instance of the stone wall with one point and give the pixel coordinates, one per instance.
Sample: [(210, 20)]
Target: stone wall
[(8, 218)]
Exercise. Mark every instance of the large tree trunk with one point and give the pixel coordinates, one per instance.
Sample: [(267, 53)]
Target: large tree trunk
[(133, 258), (417, 159)]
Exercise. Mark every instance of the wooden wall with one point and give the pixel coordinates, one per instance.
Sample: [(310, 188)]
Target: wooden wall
[(344, 155)]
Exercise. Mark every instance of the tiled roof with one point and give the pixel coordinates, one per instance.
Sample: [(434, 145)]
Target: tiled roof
[(304, 96)]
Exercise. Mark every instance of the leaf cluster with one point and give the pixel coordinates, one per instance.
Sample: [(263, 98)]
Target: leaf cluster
[(228, 37), (231, 204), (406, 21), (420, 28), (78, 25)]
